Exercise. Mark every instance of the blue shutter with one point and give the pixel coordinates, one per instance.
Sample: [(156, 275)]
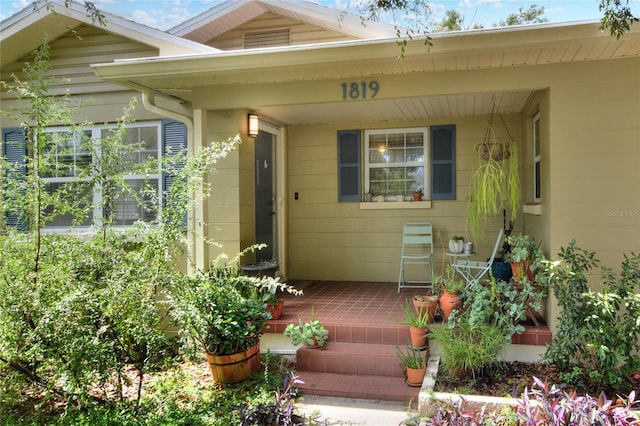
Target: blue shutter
[(443, 162), (174, 141), (14, 151), (349, 182)]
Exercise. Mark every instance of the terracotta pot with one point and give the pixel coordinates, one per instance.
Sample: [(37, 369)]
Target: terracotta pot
[(275, 310), (428, 303), (418, 337), (519, 270), (415, 376), (449, 302), (417, 196), (236, 367), (314, 345)]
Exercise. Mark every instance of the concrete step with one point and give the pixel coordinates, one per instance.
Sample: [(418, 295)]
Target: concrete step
[(351, 358)]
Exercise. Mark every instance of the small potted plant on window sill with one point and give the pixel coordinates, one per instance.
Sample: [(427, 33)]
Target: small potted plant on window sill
[(311, 334)]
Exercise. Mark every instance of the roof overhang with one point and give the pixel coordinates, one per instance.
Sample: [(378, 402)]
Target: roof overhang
[(23, 32), (470, 50)]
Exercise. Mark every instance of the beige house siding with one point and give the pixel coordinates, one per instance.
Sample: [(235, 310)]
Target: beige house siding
[(330, 240), (300, 33), (595, 158), (72, 54)]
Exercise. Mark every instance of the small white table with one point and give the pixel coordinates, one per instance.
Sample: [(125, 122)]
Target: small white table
[(454, 256)]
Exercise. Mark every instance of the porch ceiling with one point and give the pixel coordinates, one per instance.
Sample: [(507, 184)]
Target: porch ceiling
[(417, 108)]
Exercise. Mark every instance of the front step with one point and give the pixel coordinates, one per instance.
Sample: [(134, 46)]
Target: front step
[(354, 370), (382, 388), (361, 359)]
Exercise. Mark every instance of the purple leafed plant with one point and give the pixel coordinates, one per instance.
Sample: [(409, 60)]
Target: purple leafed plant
[(544, 405)]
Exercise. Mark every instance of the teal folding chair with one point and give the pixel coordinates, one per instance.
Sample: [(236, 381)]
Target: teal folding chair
[(472, 270), (417, 249)]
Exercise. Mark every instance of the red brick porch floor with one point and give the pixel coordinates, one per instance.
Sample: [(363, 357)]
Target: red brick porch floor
[(359, 360)]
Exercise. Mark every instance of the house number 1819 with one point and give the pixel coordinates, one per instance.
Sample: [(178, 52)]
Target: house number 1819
[(362, 90)]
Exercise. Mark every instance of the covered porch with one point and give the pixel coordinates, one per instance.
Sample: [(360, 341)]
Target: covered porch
[(359, 361)]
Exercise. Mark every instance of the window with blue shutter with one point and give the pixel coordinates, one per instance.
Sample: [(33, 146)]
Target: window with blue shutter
[(174, 142), (349, 182), (443, 162), (14, 151)]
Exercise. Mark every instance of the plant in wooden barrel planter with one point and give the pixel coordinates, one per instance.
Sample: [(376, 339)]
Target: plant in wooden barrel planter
[(219, 313)]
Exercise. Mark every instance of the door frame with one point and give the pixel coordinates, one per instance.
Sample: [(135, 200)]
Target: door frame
[(279, 145)]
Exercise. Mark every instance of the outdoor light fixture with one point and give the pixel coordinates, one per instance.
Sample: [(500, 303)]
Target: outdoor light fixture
[(253, 125)]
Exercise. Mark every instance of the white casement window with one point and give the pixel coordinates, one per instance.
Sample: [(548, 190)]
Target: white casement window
[(536, 158), (71, 154), (396, 161)]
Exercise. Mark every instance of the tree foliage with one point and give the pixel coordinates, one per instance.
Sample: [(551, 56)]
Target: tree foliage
[(533, 15), (78, 310)]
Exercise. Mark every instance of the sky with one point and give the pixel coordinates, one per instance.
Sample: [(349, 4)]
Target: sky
[(165, 14)]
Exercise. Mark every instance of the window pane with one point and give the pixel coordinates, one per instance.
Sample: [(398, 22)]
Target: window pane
[(66, 220), (396, 140), (378, 142), (66, 153), (405, 150), (415, 139), (137, 203), (395, 156), (415, 155)]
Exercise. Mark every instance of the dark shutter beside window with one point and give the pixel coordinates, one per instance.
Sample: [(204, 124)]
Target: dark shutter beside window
[(174, 141), (443, 162), (14, 151), (349, 182)]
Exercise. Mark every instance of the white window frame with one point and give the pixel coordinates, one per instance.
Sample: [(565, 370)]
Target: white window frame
[(368, 165), (537, 190), (96, 135)]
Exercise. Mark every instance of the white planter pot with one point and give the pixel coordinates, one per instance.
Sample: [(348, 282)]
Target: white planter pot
[(456, 246)]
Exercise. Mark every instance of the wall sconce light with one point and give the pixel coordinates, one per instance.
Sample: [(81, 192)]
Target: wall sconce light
[(253, 125)]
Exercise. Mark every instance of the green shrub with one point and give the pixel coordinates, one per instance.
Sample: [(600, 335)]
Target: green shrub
[(597, 340)]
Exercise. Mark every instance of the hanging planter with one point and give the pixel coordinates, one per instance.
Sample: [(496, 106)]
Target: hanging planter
[(495, 179), (494, 151)]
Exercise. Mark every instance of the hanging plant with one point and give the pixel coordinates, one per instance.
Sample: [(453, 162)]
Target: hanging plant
[(495, 179)]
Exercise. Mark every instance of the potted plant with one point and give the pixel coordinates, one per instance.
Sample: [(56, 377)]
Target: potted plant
[(456, 244), (522, 255), (415, 362), (218, 313), (311, 334), (495, 179), (427, 302), (418, 323), (269, 291), (451, 287)]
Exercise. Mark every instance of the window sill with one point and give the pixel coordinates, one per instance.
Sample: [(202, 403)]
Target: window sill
[(389, 205), (533, 209)]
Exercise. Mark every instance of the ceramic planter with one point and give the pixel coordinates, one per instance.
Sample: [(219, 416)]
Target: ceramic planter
[(456, 246)]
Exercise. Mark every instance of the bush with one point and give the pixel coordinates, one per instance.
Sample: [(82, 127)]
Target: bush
[(598, 336)]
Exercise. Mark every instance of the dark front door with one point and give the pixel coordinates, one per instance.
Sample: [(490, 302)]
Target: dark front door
[(265, 205)]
